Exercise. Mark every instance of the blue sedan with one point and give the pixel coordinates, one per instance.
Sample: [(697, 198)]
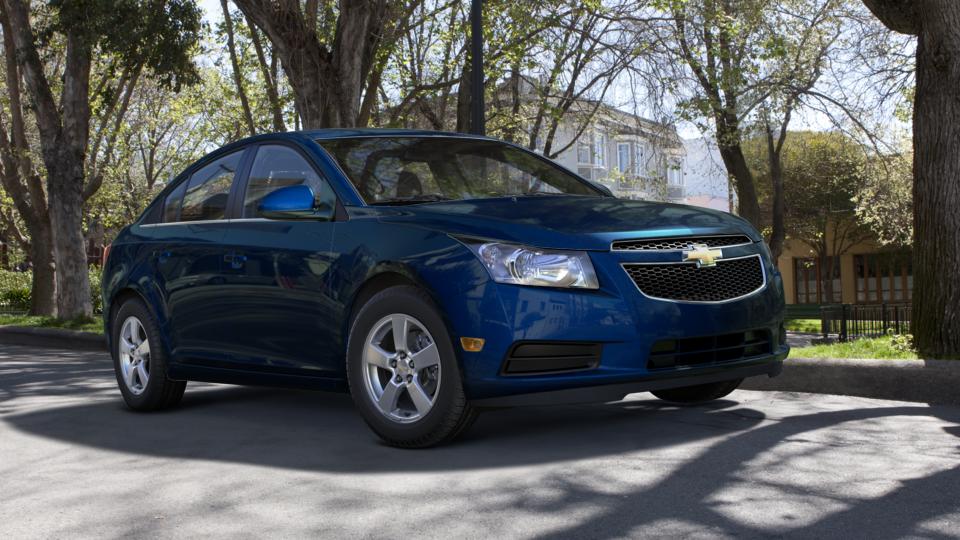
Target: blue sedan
[(431, 275)]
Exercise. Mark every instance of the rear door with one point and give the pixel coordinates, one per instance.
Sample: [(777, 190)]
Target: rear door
[(276, 273), (187, 254)]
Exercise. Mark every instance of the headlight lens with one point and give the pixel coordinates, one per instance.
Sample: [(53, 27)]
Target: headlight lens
[(523, 265)]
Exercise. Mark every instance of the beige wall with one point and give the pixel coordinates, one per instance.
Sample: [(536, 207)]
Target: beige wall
[(848, 283)]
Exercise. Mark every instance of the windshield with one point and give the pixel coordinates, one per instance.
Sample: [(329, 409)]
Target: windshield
[(406, 170)]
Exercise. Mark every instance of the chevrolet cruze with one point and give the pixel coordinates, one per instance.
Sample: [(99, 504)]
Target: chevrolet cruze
[(431, 275)]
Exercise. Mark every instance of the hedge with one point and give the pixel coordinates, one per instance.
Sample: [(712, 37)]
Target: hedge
[(15, 290)]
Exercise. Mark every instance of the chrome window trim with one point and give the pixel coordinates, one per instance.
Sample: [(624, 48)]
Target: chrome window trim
[(674, 238), (205, 221), (761, 288)]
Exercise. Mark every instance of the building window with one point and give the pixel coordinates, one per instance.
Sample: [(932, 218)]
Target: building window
[(640, 159), (811, 282), (674, 174), (585, 172), (583, 152), (883, 277), (600, 149), (623, 157)]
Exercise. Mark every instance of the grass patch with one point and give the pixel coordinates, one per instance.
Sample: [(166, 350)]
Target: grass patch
[(809, 326), (884, 348), (84, 324)]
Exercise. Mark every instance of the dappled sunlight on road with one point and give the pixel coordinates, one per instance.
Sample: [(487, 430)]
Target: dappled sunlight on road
[(301, 463)]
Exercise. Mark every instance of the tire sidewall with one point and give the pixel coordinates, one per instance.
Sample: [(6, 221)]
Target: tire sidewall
[(151, 394), (409, 301)]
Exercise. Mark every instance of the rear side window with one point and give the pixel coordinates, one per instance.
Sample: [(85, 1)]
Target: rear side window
[(209, 189), (276, 167), (171, 206)]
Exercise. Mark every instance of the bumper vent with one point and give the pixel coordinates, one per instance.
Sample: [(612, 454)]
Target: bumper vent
[(673, 244), (535, 358), (670, 353), (684, 282)]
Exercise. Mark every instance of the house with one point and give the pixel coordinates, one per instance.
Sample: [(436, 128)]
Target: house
[(864, 273), (705, 178), (635, 157)]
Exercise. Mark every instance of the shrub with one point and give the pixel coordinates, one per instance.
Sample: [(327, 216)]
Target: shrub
[(902, 343), (15, 289)]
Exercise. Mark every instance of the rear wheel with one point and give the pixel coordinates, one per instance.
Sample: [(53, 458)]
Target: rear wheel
[(403, 371), (699, 393), (140, 361)]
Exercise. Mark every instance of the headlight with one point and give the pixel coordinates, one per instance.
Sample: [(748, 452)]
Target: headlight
[(523, 265)]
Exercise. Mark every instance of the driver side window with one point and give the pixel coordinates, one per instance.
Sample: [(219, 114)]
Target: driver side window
[(277, 166)]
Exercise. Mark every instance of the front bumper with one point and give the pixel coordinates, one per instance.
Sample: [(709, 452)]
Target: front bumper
[(770, 366)]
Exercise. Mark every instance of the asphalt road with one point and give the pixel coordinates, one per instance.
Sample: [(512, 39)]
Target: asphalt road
[(245, 462)]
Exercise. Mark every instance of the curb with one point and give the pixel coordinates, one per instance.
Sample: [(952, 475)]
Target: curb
[(52, 337), (927, 381)]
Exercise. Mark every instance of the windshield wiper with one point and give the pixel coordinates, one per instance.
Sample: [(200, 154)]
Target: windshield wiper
[(415, 199), (546, 194)]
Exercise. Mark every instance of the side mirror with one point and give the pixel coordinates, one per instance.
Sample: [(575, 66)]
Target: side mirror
[(293, 202)]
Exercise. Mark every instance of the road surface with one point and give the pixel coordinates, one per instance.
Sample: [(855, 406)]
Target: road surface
[(246, 462)]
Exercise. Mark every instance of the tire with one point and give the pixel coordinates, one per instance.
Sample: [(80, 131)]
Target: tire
[(698, 394), (383, 383), (159, 392)]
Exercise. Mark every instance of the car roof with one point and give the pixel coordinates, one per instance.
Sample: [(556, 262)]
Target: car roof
[(339, 133)]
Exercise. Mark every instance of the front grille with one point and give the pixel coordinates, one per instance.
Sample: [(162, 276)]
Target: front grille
[(670, 353), (673, 244), (540, 357), (729, 279)]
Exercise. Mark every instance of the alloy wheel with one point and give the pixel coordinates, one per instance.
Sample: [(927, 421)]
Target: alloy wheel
[(401, 368), (134, 355)]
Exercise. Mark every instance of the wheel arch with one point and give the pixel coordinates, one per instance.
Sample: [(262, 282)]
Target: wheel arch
[(117, 299), (388, 277)]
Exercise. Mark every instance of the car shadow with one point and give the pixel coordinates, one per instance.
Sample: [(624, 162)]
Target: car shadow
[(322, 431), (314, 431)]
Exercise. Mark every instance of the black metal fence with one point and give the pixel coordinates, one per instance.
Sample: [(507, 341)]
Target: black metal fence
[(848, 321)]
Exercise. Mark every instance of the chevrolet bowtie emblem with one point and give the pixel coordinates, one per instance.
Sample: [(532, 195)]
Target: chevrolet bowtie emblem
[(702, 255)]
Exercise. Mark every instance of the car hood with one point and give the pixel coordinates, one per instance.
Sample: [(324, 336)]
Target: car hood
[(566, 222)]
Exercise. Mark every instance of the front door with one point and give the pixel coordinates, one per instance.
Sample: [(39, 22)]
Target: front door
[(276, 274)]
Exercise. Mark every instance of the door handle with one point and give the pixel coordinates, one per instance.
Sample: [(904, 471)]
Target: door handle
[(236, 260)]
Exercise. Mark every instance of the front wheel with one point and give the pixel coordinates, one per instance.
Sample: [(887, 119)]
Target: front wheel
[(140, 360), (403, 372), (699, 393)]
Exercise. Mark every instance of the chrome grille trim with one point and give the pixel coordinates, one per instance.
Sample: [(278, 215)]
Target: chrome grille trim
[(679, 243)]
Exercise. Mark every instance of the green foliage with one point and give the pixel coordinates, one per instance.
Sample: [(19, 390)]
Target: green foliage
[(162, 36), (822, 173), (902, 343), (885, 348), (885, 201), (808, 326), (83, 324), (15, 289)]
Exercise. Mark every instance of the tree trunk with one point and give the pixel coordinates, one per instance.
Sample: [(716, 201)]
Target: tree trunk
[(778, 235), (43, 296), (327, 80), (936, 190), (237, 72), (268, 77), (464, 97), (65, 186), (736, 164)]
